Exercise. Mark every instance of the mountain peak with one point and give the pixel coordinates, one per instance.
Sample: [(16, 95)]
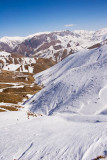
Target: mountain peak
[(55, 45)]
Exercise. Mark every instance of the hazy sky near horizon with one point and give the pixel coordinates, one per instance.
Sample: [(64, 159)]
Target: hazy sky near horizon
[(24, 17)]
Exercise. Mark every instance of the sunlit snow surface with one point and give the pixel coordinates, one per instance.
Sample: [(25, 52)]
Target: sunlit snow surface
[(6, 57), (59, 137), (75, 97), (73, 85)]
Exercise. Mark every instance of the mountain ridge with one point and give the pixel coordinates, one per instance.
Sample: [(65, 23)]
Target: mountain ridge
[(55, 45)]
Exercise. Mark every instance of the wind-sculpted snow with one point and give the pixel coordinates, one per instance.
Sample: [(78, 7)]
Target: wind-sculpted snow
[(73, 85)]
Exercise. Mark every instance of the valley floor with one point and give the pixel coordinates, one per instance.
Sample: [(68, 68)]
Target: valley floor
[(15, 89), (57, 137)]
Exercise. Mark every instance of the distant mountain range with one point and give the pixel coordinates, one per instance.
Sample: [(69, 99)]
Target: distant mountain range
[(53, 45)]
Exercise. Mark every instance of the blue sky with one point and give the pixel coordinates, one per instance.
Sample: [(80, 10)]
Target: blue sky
[(24, 17)]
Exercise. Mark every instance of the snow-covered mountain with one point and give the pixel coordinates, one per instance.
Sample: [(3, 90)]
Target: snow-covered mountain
[(16, 62), (74, 91), (54, 45), (12, 42), (10, 62), (74, 85)]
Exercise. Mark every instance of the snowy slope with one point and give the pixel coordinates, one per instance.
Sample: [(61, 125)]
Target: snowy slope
[(60, 137), (12, 41), (73, 85), (77, 85), (4, 54), (12, 63), (11, 67)]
